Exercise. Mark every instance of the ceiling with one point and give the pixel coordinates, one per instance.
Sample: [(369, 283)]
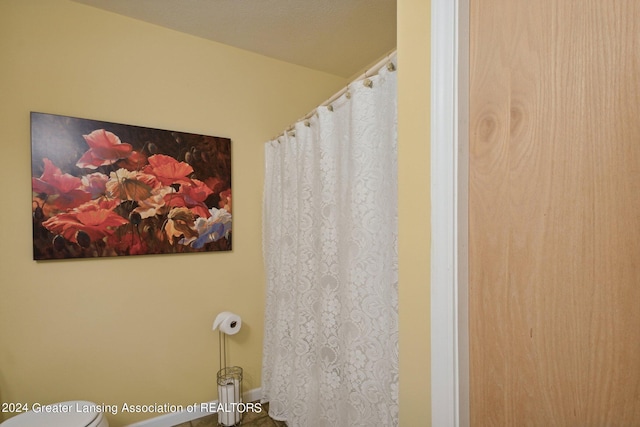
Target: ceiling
[(340, 37)]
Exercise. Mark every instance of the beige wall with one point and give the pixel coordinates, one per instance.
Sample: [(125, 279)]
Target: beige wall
[(137, 329), (134, 329), (414, 208)]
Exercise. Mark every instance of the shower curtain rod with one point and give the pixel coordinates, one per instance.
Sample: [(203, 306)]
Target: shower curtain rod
[(372, 71)]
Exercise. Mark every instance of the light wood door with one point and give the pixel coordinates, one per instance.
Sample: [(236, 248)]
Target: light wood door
[(554, 213)]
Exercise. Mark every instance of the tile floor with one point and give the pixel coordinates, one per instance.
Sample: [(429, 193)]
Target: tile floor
[(250, 419)]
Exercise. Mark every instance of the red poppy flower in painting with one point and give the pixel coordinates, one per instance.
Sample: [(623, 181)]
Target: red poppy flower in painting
[(136, 161), (106, 149), (69, 200), (64, 190), (168, 170), (102, 203), (91, 219), (53, 181), (196, 190), (191, 195)]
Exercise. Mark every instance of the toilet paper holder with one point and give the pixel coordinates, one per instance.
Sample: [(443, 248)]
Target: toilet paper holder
[(229, 381)]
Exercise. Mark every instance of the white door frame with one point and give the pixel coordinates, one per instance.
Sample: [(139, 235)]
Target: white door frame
[(449, 213)]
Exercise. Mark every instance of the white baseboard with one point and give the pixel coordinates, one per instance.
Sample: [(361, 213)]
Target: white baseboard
[(175, 418)]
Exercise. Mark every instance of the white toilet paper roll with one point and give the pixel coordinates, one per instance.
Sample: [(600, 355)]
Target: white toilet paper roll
[(227, 322)]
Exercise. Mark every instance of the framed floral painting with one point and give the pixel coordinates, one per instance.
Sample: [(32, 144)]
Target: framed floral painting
[(104, 189)]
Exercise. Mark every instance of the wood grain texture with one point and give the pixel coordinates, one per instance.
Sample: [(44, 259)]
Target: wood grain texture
[(554, 225)]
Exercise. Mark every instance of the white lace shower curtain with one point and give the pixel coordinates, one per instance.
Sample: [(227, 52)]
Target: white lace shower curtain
[(330, 246)]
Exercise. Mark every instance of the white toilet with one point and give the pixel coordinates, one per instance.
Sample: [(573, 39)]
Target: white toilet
[(64, 414)]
